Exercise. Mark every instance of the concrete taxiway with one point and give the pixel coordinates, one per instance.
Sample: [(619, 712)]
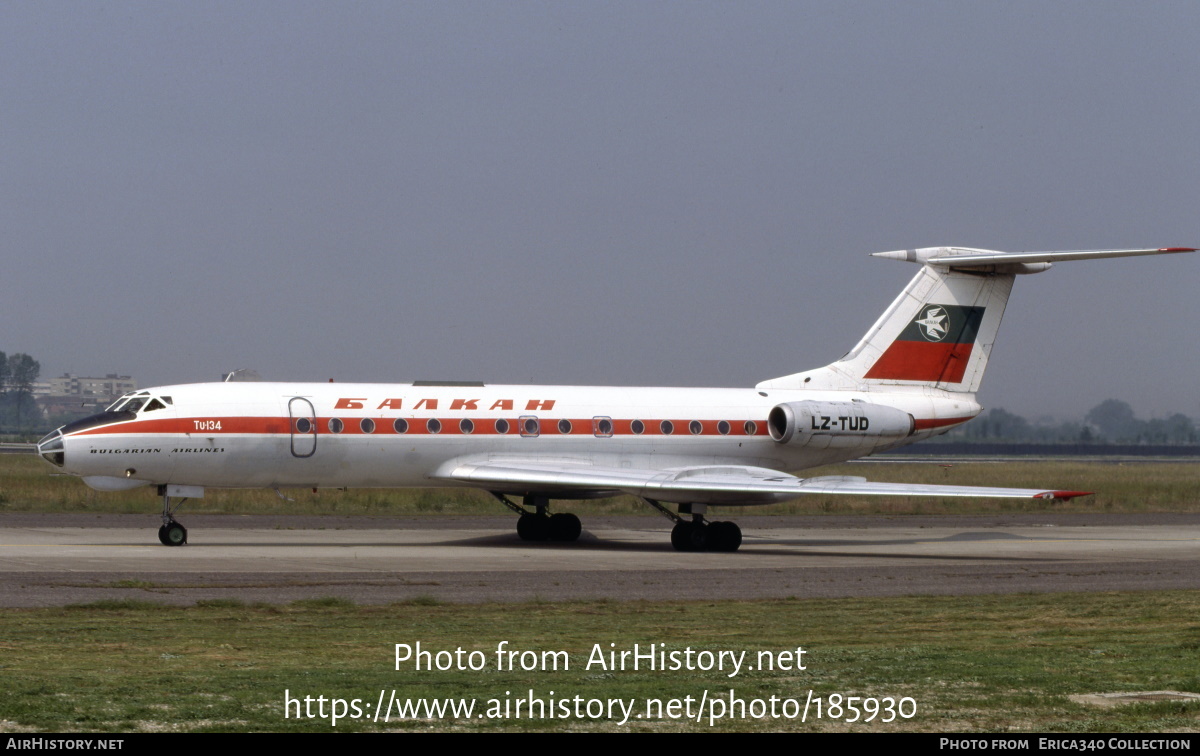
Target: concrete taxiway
[(51, 560)]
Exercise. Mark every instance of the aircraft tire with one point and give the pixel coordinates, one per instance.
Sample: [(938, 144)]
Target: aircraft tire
[(565, 526), (176, 534), (681, 536), (532, 527), (162, 535), (724, 536), (698, 538)]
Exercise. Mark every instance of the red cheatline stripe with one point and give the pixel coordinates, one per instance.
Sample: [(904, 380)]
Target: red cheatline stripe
[(195, 426), (416, 427), (922, 361), (939, 422), (450, 427)]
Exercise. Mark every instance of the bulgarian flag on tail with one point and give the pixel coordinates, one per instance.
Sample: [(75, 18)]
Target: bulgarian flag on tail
[(934, 347)]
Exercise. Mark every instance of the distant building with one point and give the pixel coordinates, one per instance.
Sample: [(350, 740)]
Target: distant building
[(78, 395)]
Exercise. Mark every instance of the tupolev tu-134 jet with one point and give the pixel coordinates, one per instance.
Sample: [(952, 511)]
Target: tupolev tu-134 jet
[(913, 375)]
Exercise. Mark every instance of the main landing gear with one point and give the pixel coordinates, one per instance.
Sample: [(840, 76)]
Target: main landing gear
[(171, 533), (540, 525), (698, 534)]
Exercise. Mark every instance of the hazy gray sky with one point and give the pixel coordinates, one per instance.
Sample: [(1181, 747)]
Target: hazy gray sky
[(633, 193)]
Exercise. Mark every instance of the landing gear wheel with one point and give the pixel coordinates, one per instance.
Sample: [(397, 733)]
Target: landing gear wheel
[(690, 536), (172, 534), (532, 527), (700, 536), (681, 536), (565, 526), (724, 536)]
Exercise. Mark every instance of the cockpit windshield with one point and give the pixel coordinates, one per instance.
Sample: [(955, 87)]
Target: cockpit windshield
[(135, 402), (133, 405), (124, 409)]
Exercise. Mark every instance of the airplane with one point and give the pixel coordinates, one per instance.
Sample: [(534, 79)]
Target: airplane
[(913, 375)]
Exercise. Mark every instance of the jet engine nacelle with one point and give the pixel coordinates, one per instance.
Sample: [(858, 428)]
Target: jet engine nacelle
[(837, 424)]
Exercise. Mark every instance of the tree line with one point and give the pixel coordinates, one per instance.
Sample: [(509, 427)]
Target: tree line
[(18, 373), (1109, 422)]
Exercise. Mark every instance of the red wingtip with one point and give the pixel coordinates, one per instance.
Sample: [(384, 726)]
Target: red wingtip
[(1062, 495), (1177, 249)]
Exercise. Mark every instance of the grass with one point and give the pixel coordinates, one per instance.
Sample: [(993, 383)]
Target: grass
[(28, 485), (970, 664), (982, 664)]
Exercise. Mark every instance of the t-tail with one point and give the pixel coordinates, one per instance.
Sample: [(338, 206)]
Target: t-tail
[(939, 332)]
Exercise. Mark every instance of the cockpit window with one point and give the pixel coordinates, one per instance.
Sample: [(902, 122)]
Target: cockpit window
[(134, 405), (139, 401), (124, 402)]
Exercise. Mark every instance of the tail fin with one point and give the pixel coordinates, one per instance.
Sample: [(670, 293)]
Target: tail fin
[(939, 332)]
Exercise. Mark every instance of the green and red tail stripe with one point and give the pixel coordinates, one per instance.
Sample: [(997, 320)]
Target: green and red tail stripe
[(934, 347)]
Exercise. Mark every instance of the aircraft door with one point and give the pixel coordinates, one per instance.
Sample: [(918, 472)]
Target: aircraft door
[(303, 419)]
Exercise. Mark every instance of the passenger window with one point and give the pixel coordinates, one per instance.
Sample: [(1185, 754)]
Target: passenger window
[(530, 427)]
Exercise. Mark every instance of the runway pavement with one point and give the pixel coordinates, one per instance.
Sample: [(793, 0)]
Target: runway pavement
[(52, 560)]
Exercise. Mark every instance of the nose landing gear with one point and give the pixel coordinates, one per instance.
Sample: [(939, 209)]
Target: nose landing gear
[(171, 533)]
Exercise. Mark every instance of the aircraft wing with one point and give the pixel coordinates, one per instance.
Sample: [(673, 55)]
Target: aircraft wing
[(729, 485)]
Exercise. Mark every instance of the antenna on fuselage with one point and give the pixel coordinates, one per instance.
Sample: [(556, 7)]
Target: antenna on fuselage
[(241, 374)]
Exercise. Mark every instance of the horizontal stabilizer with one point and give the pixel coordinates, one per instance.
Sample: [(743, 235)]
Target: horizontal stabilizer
[(964, 257)]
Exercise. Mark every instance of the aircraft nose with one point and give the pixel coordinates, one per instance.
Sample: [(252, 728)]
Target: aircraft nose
[(51, 448)]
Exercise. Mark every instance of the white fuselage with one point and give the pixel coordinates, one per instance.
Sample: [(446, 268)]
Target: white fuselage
[(243, 435)]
